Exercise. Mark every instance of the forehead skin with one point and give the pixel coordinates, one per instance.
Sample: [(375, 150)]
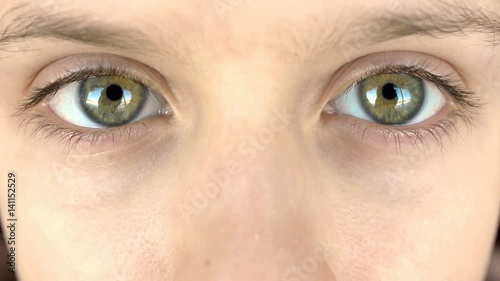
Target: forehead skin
[(309, 205)]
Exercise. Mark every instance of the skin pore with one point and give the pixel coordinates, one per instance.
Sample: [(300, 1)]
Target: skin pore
[(244, 168)]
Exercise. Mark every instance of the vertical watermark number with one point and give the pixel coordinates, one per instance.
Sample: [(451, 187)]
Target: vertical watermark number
[(11, 222)]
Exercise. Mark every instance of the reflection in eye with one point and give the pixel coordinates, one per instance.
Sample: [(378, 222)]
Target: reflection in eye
[(391, 99), (106, 101)]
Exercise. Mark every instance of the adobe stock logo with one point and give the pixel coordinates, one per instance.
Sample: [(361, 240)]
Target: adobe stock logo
[(247, 151)]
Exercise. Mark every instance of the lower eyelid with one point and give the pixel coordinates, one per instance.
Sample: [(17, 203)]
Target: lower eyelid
[(390, 139), (44, 125)]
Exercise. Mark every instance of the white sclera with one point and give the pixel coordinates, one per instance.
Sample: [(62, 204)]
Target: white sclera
[(349, 103), (66, 105)]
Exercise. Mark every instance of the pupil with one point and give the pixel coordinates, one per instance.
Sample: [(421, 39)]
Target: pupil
[(389, 91), (114, 93)]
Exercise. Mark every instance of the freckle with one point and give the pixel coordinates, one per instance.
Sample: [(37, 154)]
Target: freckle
[(207, 262)]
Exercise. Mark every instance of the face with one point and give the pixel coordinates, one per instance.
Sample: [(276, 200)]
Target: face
[(250, 140)]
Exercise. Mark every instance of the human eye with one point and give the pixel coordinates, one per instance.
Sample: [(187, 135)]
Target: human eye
[(105, 100), (392, 99), (95, 100), (406, 101)]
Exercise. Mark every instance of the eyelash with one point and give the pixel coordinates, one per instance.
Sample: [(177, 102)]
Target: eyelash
[(72, 137), (40, 94), (446, 84), (467, 101), (468, 104)]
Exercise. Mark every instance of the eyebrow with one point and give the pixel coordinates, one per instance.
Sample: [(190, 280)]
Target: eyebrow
[(437, 20), (27, 22), (440, 20)]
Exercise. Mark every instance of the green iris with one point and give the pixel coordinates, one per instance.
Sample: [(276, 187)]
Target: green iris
[(392, 99), (112, 100)]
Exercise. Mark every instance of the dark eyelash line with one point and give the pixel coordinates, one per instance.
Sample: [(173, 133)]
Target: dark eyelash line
[(443, 128), (70, 137), (39, 94), (467, 99)]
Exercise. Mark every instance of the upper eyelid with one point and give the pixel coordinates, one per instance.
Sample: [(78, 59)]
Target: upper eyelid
[(448, 77), (465, 98), (79, 67), (40, 93)]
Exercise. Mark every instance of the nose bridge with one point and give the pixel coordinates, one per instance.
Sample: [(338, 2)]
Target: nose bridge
[(248, 162), (246, 133), (247, 205)]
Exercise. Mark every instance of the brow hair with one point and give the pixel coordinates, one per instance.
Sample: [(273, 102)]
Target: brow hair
[(435, 20), (441, 20), (29, 23)]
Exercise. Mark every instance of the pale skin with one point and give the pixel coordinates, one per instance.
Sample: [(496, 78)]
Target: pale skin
[(249, 177)]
